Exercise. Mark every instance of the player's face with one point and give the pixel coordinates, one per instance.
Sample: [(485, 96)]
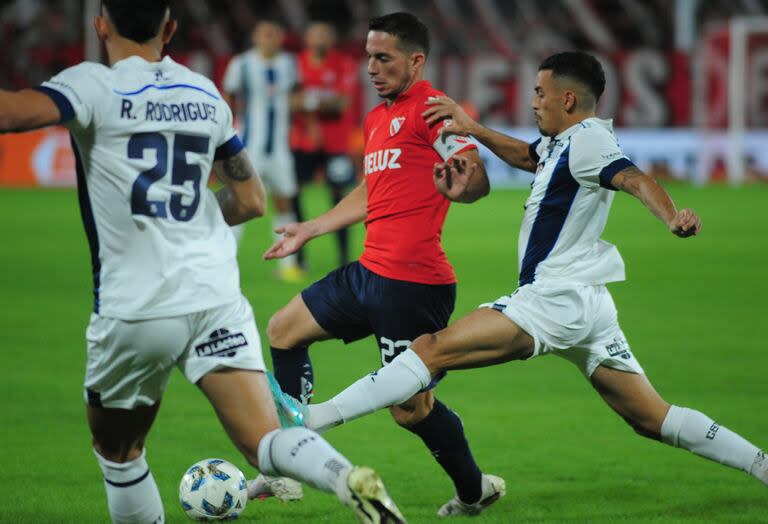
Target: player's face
[(268, 38), (548, 104), (320, 38), (391, 69)]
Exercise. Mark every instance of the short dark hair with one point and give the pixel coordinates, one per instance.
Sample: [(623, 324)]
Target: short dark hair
[(582, 67), (411, 31), (137, 20)]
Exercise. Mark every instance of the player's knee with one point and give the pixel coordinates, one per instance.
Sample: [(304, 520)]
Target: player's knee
[(412, 411), (276, 330), (429, 351)]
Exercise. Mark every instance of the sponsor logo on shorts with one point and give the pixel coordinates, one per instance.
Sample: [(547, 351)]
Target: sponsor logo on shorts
[(221, 343), (619, 348), (306, 440), (712, 433)]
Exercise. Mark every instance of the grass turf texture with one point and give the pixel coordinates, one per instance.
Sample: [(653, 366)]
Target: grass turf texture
[(692, 310)]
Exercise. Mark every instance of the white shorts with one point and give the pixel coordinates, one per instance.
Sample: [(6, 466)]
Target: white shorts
[(579, 324), (278, 173), (130, 361)]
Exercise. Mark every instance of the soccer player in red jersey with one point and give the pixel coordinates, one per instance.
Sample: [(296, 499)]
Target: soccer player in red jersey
[(324, 122), (403, 284)]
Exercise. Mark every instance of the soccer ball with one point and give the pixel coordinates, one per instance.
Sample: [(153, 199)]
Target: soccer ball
[(213, 489)]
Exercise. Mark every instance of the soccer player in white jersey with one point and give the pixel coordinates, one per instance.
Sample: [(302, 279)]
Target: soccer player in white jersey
[(561, 306), (260, 84), (146, 133)]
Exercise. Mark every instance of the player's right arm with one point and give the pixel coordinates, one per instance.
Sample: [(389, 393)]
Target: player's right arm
[(243, 196), (514, 152), (352, 209), (683, 223), (27, 109)]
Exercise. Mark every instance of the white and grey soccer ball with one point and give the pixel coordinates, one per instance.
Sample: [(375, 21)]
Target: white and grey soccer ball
[(213, 489)]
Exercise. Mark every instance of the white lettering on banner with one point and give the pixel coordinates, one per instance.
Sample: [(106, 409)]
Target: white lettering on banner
[(381, 160), (644, 72)]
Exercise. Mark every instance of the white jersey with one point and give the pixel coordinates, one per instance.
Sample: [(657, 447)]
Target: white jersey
[(265, 87), (568, 207), (145, 136)]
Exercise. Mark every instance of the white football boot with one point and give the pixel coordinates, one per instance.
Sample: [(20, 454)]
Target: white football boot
[(493, 489), (370, 500), (283, 488)]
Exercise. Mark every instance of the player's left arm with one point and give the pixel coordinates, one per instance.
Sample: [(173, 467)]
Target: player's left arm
[(683, 223), (26, 110), (243, 196), (462, 178)]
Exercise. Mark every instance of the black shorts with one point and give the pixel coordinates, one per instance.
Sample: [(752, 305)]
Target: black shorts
[(352, 302), (339, 170)]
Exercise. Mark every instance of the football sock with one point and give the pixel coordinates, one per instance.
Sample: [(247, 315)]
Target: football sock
[(299, 214), (238, 231), (279, 221), (293, 371), (132, 494), (342, 235), (696, 432), (393, 384), (304, 455), (443, 433)]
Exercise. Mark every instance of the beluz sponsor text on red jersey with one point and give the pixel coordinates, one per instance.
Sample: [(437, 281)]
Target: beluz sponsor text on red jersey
[(405, 211)]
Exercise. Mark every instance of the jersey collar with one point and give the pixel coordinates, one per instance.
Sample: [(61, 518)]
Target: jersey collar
[(587, 122), (137, 61)]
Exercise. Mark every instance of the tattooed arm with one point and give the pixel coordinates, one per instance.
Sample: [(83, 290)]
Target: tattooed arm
[(684, 223), (242, 197)]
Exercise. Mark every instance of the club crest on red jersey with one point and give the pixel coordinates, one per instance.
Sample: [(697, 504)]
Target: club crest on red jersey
[(395, 125)]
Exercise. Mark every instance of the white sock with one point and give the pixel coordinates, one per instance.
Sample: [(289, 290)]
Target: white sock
[(393, 384), (304, 455), (279, 221), (132, 494), (696, 432)]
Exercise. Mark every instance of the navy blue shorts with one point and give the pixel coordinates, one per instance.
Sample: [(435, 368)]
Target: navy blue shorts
[(352, 302)]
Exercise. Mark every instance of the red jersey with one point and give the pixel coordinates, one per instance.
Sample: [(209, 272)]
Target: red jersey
[(405, 211), (337, 75)]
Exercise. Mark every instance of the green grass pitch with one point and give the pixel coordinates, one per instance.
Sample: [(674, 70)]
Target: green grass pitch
[(694, 311)]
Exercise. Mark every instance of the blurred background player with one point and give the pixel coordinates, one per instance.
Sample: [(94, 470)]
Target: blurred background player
[(403, 282), (324, 120), (146, 132), (258, 85)]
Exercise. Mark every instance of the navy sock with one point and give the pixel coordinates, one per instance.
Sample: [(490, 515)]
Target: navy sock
[(293, 371), (443, 433)]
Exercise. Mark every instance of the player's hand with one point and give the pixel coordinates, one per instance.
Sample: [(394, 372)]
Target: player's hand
[(453, 177), (685, 223), (295, 235), (457, 121)]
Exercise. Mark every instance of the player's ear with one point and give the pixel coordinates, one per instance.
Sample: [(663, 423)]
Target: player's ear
[(569, 100), (417, 60), (101, 26), (169, 29)]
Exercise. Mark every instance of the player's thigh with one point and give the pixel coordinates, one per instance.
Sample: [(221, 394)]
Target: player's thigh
[(402, 311), (223, 337), (339, 171), (129, 362), (294, 325), (334, 304), (483, 338), (243, 404)]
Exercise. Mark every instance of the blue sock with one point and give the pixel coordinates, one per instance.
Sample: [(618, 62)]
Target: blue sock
[(443, 433), (293, 371)]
